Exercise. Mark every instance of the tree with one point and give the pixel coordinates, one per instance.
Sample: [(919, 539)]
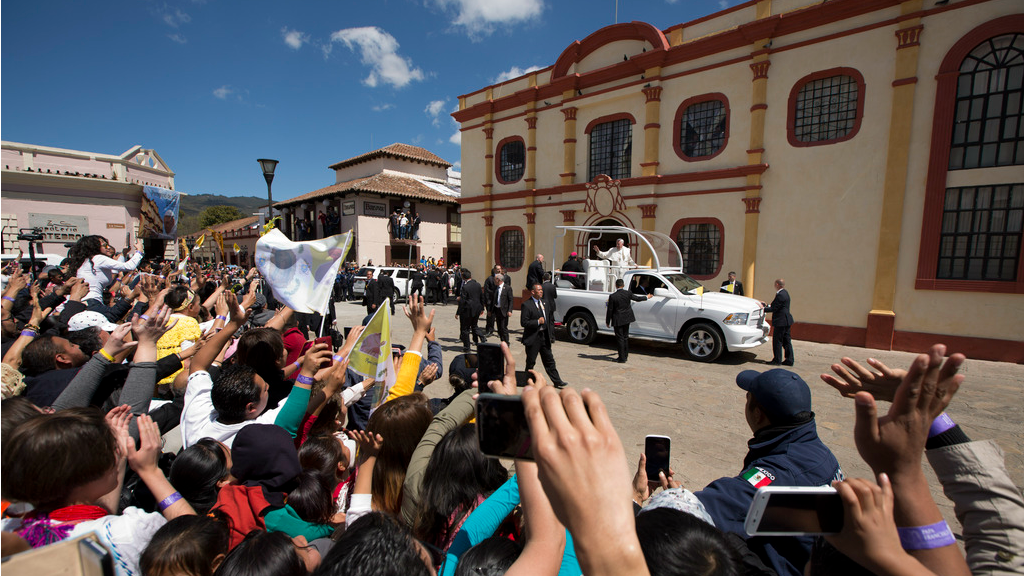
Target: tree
[(218, 215)]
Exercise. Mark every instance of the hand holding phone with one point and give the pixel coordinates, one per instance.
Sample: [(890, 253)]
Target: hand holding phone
[(794, 511), (490, 364), (657, 450), (330, 346), (502, 428)]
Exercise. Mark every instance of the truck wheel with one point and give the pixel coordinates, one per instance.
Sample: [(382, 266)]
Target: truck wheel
[(581, 328), (396, 296), (702, 342)]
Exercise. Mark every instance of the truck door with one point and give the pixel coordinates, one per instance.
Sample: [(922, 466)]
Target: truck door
[(654, 317)]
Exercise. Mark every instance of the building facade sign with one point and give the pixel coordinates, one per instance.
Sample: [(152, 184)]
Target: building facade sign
[(59, 227), (348, 208), (379, 209)]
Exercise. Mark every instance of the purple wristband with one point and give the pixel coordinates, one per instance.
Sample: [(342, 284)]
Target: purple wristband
[(337, 358), (935, 535), (28, 333), (169, 501), (302, 379), (221, 317), (940, 425), (8, 298)]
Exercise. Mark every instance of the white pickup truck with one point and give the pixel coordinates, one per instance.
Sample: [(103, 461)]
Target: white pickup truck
[(706, 323)]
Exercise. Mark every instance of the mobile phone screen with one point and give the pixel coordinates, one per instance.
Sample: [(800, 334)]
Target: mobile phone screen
[(523, 378), (806, 513), (502, 428), (490, 364), (657, 449)]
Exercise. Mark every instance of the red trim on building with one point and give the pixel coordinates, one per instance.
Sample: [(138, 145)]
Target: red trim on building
[(760, 69), (497, 246), (676, 132), (907, 37), (568, 216), (489, 220), (531, 217), (579, 50), (935, 187), (752, 205), (653, 93), (648, 210), (791, 120), (570, 113), (904, 81), (531, 122), (757, 107), (610, 118), (497, 165), (489, 133), (721, 242)]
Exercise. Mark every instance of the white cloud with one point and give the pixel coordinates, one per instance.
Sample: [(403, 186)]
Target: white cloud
[(723, 4), (480, 17), (180, 39), (177, 18), (514, 72), (294, 38), (456, 138), (223, 92), (379, 51), (435, 109), (383, 107), (457, 166)]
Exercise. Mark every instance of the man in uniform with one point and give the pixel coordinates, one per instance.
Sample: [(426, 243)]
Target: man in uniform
[(539, 333), (620, 315), (471, 306)]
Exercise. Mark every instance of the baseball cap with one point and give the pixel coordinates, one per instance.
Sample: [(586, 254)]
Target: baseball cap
[(463, 365), (781, 393), (88, 319)]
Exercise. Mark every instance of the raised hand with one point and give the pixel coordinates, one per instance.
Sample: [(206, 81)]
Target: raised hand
[(116, 343), (146, 456), (149, 329), (416, 311), (855, 378)]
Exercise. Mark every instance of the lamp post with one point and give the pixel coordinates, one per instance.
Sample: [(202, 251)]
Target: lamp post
[(268, 175)]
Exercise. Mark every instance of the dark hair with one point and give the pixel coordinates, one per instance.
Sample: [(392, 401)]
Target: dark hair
[(374, 545), (322, 453), (313, 498), (88, 339), (84, 249), (402, 422), (44, 459), (547, 276), (827, 559), (263, 554), (466, 274), (456, 475), (234, 389), (40, 355), (619, 283), (177, 295), (186, 545), (326, 422), (14, 411), (491, 557), (674, 542), (261, 348), (196, 472)]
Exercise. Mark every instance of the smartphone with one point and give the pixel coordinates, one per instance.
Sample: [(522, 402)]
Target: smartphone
[(794, 511), (490, 363), (657, 449), (330, 344), (501, 427), (522, 378)]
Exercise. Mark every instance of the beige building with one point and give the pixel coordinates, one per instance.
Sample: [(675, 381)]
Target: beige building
[(870, 152), (369, 187)]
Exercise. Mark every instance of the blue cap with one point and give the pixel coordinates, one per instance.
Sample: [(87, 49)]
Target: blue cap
[(781, 393)]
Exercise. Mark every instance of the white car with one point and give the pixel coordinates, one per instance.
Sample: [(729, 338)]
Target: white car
[(705, 323), (400, 276)]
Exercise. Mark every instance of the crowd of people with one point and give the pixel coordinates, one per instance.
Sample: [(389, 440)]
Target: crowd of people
[(193, 426)]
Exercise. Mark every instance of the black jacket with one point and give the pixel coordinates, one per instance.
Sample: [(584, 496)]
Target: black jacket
[(620, 307), (780, 309), (534, 274), (529, 319), (471, 299)]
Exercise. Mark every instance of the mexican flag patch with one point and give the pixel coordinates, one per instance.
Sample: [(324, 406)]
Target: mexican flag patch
[(758, 477)]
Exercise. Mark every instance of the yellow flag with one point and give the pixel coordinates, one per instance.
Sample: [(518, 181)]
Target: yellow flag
[(219, 238), (199, 242), (269, 225), (237, 248)]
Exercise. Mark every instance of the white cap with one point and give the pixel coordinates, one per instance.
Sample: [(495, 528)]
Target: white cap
[(88, 319)]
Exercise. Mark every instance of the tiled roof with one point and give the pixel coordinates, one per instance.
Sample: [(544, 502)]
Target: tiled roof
[(397, 150), (240, 224), (384, 183)]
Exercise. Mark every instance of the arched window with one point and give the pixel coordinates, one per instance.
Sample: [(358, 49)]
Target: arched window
[(511, 247), (611, 148), (700, 241), (702, 127), (826, 107), (973, 224), (511, 160)]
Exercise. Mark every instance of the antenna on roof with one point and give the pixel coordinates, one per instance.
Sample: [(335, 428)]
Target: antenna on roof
[(616, 11)]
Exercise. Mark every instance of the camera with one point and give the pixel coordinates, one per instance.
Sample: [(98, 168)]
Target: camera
[(32, 234)]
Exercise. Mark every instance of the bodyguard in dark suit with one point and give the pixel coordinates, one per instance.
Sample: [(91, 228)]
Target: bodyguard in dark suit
[(535, 273), (501, 306), (732, 282), (471, 306), (489, 284), (417, 282), (539, 333), (782, 320), (620, 315), (371, 293), (433, 286), (550, 294), (387, 290)]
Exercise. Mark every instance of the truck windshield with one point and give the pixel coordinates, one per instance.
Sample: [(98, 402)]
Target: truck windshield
[(682, 282)]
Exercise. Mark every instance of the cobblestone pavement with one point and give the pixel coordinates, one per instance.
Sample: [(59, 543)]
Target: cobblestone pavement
[(700, 407)]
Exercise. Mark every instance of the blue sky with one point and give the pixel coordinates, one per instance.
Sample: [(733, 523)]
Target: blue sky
[(212, 85)]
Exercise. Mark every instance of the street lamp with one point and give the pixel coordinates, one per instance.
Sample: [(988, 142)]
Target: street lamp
[(268, 174)]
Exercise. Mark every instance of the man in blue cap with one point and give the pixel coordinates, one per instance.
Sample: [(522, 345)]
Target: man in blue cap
[(785, 451)]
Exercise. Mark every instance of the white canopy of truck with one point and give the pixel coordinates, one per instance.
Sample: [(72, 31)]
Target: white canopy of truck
[(652, 240)]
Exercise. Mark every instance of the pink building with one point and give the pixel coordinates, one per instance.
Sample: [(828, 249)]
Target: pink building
[(369, 187), (71, 193)]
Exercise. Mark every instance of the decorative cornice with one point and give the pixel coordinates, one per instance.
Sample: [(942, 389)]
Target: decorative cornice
[(648, 210), (531, 122), (907, 37), (531, 217), (653, 93), (760, 69), (753, 205), (489, 132), (568, 216), (489, 220), (570, 113)]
